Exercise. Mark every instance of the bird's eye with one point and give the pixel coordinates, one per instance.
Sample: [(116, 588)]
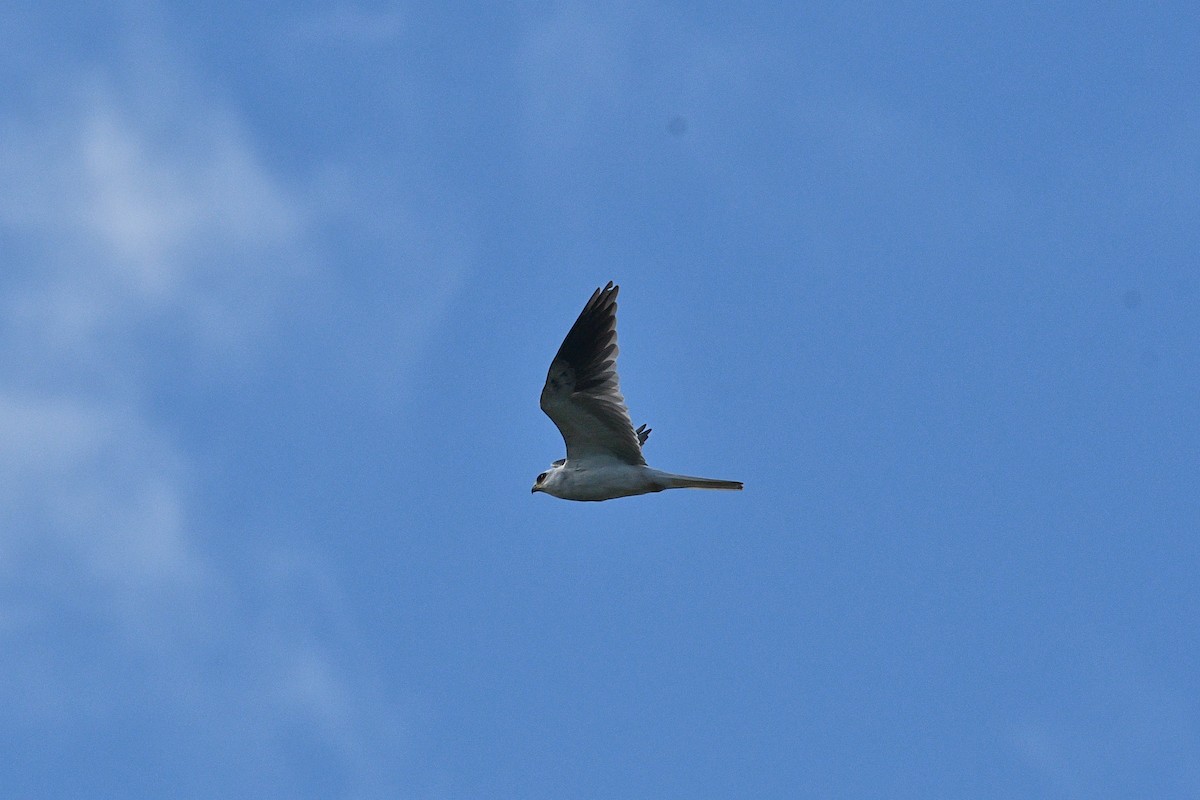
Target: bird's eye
[(541, 478)]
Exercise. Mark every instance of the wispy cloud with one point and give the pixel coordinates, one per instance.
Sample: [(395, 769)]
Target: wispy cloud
[(88, 481), (117, 230), (136, 213), (128, 216)]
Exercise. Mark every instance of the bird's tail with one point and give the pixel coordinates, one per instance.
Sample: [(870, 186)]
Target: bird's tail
[(670, 481)]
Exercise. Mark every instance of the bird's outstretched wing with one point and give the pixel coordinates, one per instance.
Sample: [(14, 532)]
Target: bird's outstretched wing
[(582, 395)]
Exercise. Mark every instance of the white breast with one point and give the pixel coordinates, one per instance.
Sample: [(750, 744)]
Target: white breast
[(601, 479)]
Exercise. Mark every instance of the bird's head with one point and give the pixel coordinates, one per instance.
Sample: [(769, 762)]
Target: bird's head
[(546, 481)]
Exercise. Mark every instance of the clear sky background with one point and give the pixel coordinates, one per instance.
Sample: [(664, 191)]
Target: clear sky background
[(279, 284)]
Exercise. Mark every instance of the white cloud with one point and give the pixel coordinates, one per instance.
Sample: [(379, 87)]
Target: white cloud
[(151, 207), (136, 213), (92, 483), (127, 215), (121, 222)]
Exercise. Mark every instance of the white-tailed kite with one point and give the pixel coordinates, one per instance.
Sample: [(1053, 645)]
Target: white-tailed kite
[(604, 453)]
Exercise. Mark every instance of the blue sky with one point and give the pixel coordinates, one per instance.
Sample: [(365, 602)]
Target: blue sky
[(281, 283)]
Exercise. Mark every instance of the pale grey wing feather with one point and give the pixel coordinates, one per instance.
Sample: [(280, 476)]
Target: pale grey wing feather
[(582, 395)]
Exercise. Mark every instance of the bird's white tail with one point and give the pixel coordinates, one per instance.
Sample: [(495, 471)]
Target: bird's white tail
[(670, 481)]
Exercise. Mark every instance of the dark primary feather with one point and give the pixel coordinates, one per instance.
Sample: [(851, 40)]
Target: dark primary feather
[(643, 433), (590, 347), (582, 395)]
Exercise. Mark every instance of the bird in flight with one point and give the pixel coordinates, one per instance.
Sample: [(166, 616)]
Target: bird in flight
[(583, 398)]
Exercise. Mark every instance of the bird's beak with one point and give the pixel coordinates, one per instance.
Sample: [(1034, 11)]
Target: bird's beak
[(533, 490)]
